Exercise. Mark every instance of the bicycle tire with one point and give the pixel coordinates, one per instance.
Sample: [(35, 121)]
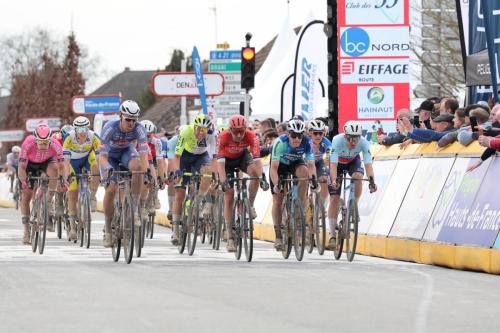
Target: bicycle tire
[(34, 225), (128, 228), (299, 229), (339, 239), (34, 237), (285, 228), (219, 219), (320, 227), (238, 209), (352, 230), (247, 230), (151, 224), (192, 225), (88, 221), (115, 236), (183, 226), (59, 227), (44, 212), (138, 235), (311, 225)]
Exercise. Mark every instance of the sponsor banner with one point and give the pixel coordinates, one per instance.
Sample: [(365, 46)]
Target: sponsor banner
[(11, 135), (478, 69), (169, 84), (380, 12), (370, 201), (96, 104), (387, 70), (393, 196), (53, 123), (421, 197), (473, 211), (375, 102), (446, 198), (497, 243), (200, 82), (374, 41)]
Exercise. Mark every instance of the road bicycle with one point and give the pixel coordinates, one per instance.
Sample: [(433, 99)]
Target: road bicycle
[(316, 228)]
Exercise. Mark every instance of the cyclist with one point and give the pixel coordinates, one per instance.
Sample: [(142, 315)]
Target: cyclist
[(40, 153), (156, 163), (345, 156), (12, 164), (192, 155), (65, 130), (119, 140), (321, 147), (292, 154), (79, 151), (234, 146)]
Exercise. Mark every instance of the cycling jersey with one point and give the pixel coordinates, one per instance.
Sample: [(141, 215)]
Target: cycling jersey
[(286, 154), (31, 153), (12, 161), (156, 149), (188, 142), (171, 147), (228, 148), (75, 150), (324, 148), (164, 146), (115, 140), (340, 153)]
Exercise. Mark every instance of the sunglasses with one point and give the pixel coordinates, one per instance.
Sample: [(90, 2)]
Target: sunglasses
[(81, 129), (294, 135), (43, 141), (201, 129), (239, 131), (351, 138), (130, 120), (317, 133)]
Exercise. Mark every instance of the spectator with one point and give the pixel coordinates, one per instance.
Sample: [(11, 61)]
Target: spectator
[(491, 144), (458, 122), (267, 124), (281, 129), (448, 105), (397, 137), (269, 138), (495, 115), (256, 125), (424, 113), (466, 135), (443, 123)]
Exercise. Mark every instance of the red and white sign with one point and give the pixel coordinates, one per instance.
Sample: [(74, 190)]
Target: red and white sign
[(374, 61), (170, 84), (53, 123)]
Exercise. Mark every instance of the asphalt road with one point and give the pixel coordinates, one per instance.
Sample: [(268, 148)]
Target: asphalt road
[(72, 289)]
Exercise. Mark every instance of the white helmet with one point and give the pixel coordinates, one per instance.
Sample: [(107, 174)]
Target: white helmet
[(148, 124), (353, 127), (296, 125), (16, 149), (316, 125), (130, 109), (81, 121)]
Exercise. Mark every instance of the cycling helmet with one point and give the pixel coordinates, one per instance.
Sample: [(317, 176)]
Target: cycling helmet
[(16, 149), (149, 126), (66, 129), (296, 125), (237, 121), (202, 120), (316, 125), (81, 121), (353, 127), (130, 109), (42, 132)]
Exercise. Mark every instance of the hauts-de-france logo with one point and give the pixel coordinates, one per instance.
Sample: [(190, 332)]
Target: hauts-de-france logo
[(355, 41), (375, 95)]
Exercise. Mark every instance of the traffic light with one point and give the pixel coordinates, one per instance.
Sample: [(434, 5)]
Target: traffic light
[(247, 67)]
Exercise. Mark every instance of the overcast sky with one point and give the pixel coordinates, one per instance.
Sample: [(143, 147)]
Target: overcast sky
[(142, 34)]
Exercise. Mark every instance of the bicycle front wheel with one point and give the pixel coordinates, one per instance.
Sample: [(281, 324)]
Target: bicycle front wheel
[(218, 219), (311, 216), (128, 228), (286, 233), (151, 224), (247, 230), (116, 237), (338, 233), (351, 238), (320, 226), (299, 229), (238, 214), (192, 225), (43, 212), (183, 225)]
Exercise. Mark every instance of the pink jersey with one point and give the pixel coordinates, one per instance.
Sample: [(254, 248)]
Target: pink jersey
[(31, 153)]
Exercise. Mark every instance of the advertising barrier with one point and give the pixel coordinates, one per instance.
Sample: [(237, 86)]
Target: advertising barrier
[(421, 197), (389, 205)]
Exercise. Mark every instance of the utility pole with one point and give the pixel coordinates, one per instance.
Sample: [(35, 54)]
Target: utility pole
[(333, 88)]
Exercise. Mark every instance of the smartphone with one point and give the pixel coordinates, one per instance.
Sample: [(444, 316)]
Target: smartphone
[(416, 122), (473, 124)]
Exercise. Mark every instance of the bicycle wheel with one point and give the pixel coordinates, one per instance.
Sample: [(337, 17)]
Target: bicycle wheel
[(128, 228), (219, 219), (116, 234), (320, 226), (139, 236), (34, 225), (183, 225), (80, 231), (192, 225), (311, 222), (151, 224), (351, 238), (299, 229), (59, 226), (86, 221), (238, 211), (339, 238), (43, 210), (247, 230), (285, 228)]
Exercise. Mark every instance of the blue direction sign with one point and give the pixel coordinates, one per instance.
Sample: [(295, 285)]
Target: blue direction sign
[(225, 55), (96, 104)]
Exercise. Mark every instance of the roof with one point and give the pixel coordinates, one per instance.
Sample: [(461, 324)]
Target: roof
[(131, 84)]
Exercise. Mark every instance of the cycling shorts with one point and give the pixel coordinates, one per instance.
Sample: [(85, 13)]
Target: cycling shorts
[(351, 168), (77, 165)]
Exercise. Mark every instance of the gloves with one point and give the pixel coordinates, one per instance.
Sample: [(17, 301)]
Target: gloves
[(225, 186), (24, 185), (373, 187)]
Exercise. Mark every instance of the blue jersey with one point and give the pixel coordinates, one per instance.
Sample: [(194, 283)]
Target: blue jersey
[(114, 139), (164, 146), (340, 153), (171, 147), (286, 154), (324, 148)]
